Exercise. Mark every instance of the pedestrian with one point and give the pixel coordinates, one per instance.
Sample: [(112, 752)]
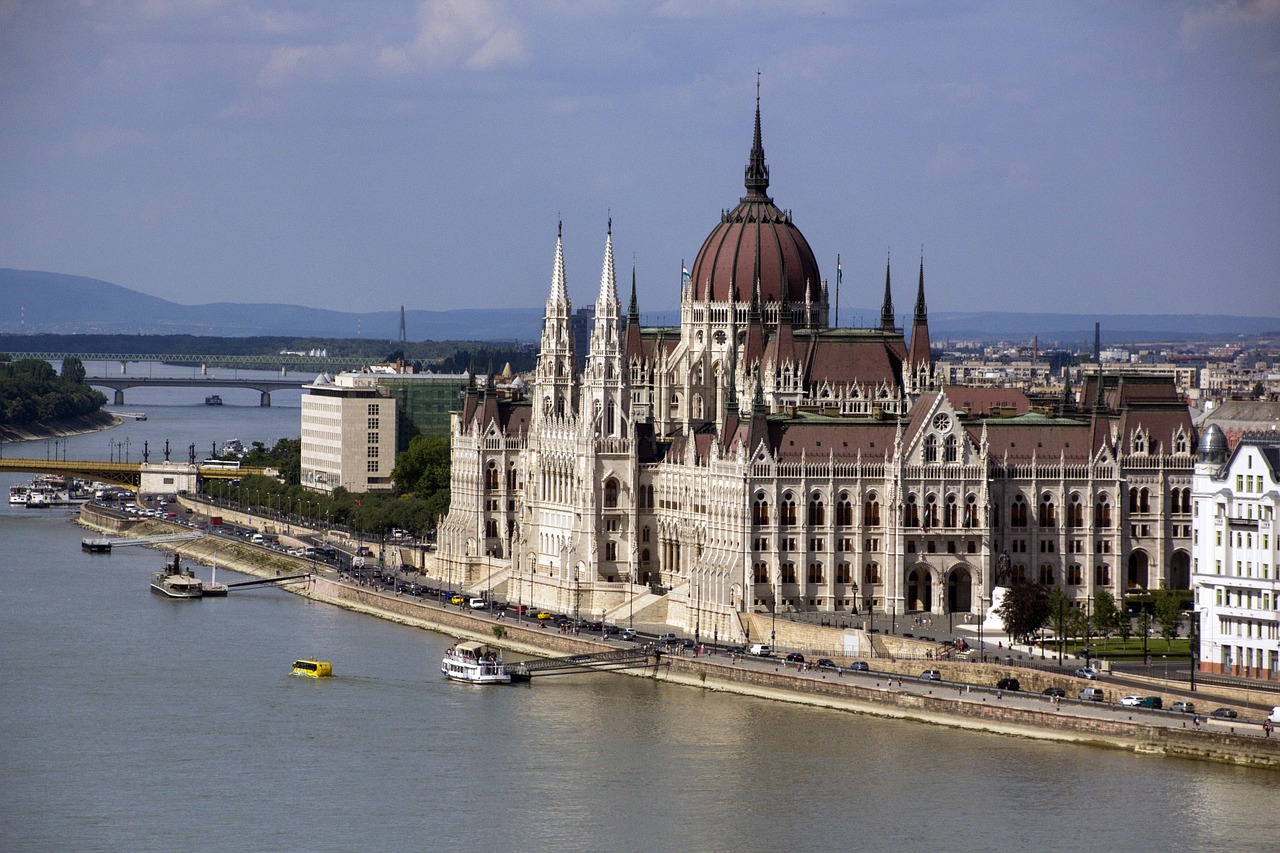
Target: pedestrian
[(999, 694)]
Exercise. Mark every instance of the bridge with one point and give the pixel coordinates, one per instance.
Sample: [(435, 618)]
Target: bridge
[(261, 385), (130, 474), (281, 362)]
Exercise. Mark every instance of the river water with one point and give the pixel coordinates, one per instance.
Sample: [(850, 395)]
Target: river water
[(130, 722)]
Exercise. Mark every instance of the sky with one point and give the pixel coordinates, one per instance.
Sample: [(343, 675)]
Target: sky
[(1078, 157)]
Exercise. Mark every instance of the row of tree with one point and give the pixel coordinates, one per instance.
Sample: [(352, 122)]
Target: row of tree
[(419, 502), (1028, 607), (32, 392)]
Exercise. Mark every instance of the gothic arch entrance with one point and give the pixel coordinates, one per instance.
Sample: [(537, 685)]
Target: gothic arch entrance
[(1180, 570), (1138, 570), (919, 589), (960, 590)]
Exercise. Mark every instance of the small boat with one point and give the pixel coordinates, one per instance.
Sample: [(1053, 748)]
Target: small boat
[(39, 500), (19, 495), (213, 400), (311, 668), (172, 582), (474, 663)]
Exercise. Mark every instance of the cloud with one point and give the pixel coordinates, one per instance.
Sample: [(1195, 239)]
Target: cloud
[(471, 34), (1208, 20), (313, 62)]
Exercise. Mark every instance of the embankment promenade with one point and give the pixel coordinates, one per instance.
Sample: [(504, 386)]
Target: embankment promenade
[(879, 694)]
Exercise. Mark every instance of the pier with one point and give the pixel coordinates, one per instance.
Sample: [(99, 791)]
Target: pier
[(614, 659)]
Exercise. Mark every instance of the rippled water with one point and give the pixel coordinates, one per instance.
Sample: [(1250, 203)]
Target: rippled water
[(129, 722)]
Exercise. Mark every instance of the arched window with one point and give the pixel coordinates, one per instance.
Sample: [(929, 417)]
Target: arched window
[(491, 476), (1144, 500), (950, 451), (788, 572), (817, 510), (1075, 511), (787, 511), (644, 534), (871, 573), (950, 512), (1046, 574), (815, 573), (871, 511), (1102, 575), (1018, 512), (511, 479), (911, 512), (930, 448), (971, 511), (760, 573), (931, 511), (611, 551), (610, 493), (843, 573), (1048, 512), (844, 511), (1186, 501), (1102, 512), (760, 510)]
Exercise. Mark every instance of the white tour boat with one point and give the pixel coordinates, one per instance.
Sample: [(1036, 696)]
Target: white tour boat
[(474, 663)]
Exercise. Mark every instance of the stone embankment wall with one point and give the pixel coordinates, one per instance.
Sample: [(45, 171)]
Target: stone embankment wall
[(718, 673), (69, 426)]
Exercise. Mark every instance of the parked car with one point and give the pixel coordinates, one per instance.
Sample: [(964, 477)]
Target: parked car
[(1091, 694), (666, 638), (1183, 707), (1223, 713), (628, 633), (1087, 672), (859, 666), (931, 675), (456, 599), (1131, 701), (795, 657), (688, 643), (477, 604), (1054, 691), (826, 663), (1009, 684), (761, 650), (543, 616), (1153, 702)]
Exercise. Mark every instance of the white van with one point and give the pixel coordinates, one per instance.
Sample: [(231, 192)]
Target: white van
[(761, 650), (477, 604), (1275, 714), (257, 539)]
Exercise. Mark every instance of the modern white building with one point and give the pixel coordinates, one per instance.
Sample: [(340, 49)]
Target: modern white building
[(348, 434), (1234, 532)]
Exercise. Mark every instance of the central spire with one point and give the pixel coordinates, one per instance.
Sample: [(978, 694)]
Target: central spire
[(757, 173)]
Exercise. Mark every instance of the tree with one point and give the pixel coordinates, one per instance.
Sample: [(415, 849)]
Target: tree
[(1168, 607), (1024, 610), (1060, 611), (423, 469), (1125, 628), (1106, 615)]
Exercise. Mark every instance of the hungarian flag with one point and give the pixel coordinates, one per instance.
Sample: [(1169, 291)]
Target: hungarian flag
[(684, 272)]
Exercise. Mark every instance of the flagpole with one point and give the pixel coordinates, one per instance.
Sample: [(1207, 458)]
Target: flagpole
[(838, 276)]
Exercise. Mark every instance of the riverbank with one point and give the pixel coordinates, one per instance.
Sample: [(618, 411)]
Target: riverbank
[(878, 695), (79, 425)]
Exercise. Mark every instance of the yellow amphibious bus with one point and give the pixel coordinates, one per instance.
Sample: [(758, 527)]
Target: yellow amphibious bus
[(313, 668)]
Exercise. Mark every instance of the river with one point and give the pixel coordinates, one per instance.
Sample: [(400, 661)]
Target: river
[(130, 722)]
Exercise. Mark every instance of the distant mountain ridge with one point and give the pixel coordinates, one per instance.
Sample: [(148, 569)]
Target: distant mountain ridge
[(35, 301)]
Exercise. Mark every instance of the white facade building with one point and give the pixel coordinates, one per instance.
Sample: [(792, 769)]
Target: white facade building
[(1237, 595), (348, 434)]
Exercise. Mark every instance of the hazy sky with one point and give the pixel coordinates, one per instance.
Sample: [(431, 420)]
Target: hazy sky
[(1048, 156)]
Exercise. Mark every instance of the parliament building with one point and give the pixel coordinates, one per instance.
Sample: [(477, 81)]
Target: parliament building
[(757, 459)]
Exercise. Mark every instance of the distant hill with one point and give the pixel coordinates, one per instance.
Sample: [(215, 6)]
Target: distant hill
[(68, 304)]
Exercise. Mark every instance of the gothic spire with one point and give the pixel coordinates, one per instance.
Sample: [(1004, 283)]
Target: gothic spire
[(922, 314), (886, 310), (559, 290), (757, 173)]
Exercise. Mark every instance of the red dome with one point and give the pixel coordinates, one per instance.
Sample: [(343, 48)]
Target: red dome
[(756, 238)]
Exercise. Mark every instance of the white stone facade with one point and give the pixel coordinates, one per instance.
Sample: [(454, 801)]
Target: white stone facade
[(348, 434), (1237, 593)]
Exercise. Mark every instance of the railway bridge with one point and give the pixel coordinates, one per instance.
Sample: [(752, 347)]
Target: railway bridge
[(264, 386)]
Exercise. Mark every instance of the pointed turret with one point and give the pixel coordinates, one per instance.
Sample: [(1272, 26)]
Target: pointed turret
[(604, 384), (886, 310), (920, 353), (634, 348), (556, 377)]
